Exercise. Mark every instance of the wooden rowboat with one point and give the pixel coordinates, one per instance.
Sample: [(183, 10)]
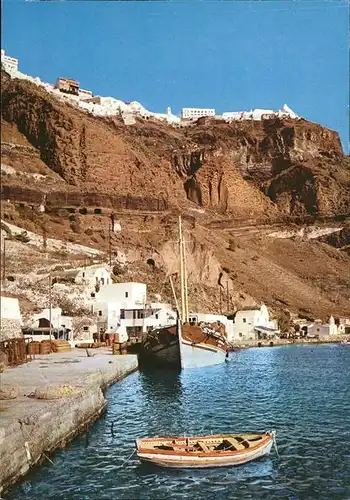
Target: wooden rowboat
[(205, 451)]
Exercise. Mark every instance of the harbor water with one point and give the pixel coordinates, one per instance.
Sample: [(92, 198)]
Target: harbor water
[(302, 392)]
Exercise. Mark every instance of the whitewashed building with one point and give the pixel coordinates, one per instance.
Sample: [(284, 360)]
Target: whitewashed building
[(258, 114), (73, 329), (344, 326), (58, 320), (320, 329), (39, 324), (252, 323), (93, 275), (124, 306), (108, 319), (155, 315), (119, 307), (89, 275), (161, 314), (85, 94), (10, 318), (10, 64), (196, 112), (129, 295), (108, 315)]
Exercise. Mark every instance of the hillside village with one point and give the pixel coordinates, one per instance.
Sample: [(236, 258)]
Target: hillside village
[(87, 303), (81, 299), (70, 91), (123, 310)]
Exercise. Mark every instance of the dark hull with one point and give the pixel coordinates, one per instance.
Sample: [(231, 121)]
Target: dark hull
[(167, 347), (163, 355)]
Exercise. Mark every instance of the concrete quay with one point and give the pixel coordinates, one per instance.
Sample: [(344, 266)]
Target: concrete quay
[(274, 342), (57, 397)]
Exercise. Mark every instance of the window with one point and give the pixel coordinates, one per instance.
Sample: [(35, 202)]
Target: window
[(107, 281), (126, 294), (93, 294), (240, 334), (244, 320), (140, 314), (156, 316), (122, 314), (102, 281), (85, 328), (83, 275), (100, 313)]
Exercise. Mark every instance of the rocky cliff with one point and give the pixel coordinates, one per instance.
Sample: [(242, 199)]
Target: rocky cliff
[(233, 182), (266, 167)]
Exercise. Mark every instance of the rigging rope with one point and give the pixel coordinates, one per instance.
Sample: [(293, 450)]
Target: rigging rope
[(275, 443), (127, 460)]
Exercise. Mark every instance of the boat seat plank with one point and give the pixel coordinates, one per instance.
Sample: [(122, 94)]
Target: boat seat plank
[(203, 446), (235, 443)]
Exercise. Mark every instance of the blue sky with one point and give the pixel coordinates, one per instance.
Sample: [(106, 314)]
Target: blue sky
[(228, 55)]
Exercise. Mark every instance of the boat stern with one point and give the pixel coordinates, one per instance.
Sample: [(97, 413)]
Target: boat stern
[(138, 444)]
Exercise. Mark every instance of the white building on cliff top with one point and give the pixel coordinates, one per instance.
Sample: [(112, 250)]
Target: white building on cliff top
[(10, 63), (196, 112), (109, 106), (260, 114)]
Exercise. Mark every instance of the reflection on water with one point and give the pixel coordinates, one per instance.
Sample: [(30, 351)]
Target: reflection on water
[(303, 392)]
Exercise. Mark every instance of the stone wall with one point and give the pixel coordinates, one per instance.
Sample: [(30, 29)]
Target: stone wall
[(10, 329), (24, 441), (59, 407)]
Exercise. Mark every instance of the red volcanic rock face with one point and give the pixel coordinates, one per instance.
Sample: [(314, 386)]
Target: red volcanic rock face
[(243, 168)]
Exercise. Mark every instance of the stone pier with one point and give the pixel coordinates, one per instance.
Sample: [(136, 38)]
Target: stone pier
[(51, 400)]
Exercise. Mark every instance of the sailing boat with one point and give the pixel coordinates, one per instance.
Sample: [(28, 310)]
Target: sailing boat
[(184, 345)]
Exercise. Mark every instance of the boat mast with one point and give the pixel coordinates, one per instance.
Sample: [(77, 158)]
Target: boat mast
[(174, 294), (182, 284), (185, 282), (183, 276)]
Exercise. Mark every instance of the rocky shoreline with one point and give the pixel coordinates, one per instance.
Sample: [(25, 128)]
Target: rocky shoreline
[(50, 401)]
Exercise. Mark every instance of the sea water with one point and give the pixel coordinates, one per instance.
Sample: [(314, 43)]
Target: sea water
[(302, 392)]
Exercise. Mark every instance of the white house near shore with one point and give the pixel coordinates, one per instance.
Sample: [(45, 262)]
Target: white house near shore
[(124, 306), (62, 327), (153, 315), (321, 329), (39, 324), (108, 318), (252, 323)]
